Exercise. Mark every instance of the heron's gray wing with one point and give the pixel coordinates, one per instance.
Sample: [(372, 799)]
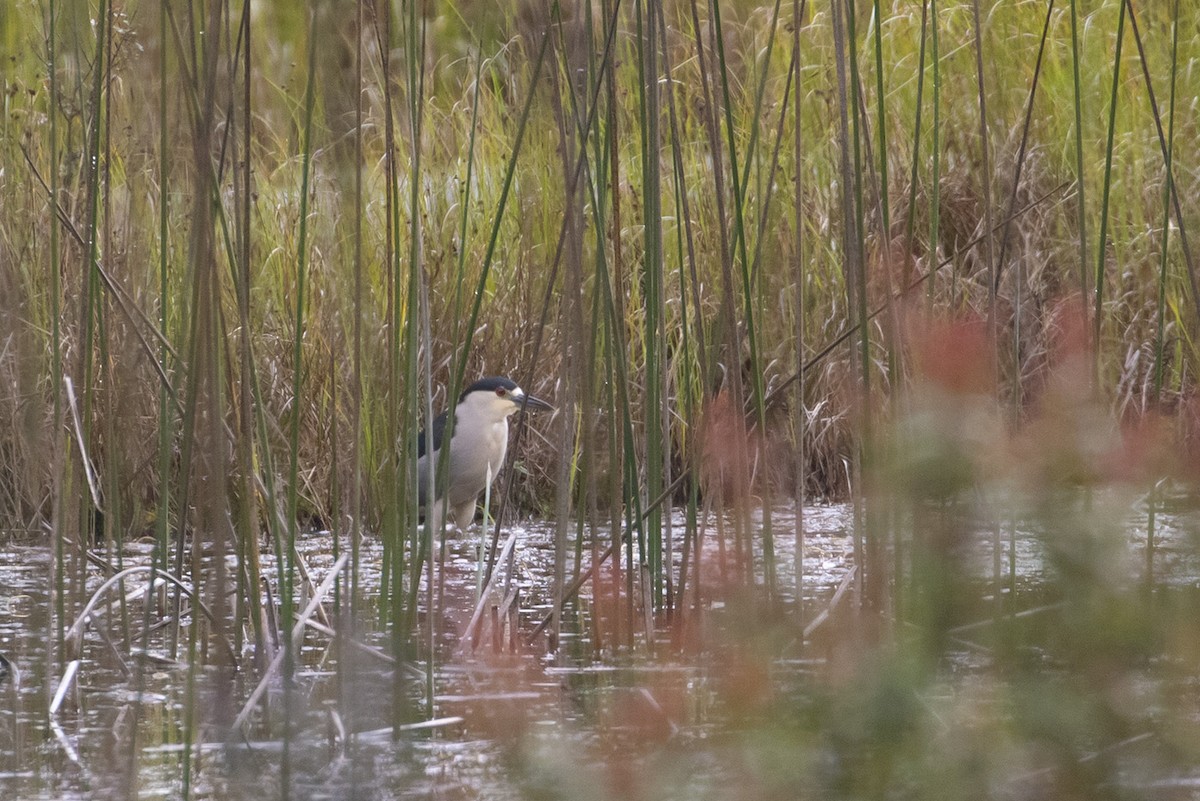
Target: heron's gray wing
[(437, 430), (438, 427)]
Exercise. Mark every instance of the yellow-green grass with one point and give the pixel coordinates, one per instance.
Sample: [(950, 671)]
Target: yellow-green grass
[(124, 387)]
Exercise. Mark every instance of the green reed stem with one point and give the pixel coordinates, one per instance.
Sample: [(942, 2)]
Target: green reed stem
[(881, 134), (799, 423), (112, 528), (396, 475), (573, 158), (1184, 242), (726, 317), (1105, 191), (1081, 205), (481, 287), (90, 298), (249, 573), (650, 111), (416, 317), (494, 237), (288, 558), (850, 173), (1168, 189), (693, 375), (910, 222), (161, 522), (935, 191), (356, 358), (56, 355), (1005, 237), (739, 243), (1160, 327), (454, 390), (884, 248)]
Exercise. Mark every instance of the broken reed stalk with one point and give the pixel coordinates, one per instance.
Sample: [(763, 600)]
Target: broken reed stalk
[(294, 636)]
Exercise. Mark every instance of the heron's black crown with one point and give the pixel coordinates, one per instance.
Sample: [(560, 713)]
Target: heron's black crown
[(490, 384)]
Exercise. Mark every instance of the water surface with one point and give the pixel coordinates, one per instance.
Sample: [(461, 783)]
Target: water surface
[(729, 706)]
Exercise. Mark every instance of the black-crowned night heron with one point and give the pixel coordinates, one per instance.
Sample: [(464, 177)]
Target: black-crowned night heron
[(477, 446)]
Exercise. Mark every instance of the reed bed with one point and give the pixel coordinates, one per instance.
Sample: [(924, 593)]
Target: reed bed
[(928, 257)]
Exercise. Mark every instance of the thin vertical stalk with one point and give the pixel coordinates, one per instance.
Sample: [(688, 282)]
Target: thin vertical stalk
[(709, 116), (881, 134), (749, 277), (187, 425), (694, 373), (1019, 167), (418, 337), (356, 357), (1159, 356), (248, 516), (1105, 191), (113, 528), (602, 135), (647, 27), (1184, 242), (453, 391), (875, 517), (916, 143), (1018, 280), (161, 523), (992, 270), (1168, 189), (189, 714), (898, 588), (739, 244), (668, 377), (856, 251), (590, 407), (608, 235), (799, 423), (851, 238), (423, 539), (895, 373), (574, 174), (574, 162), (489, 255), (399, 408), (207, 432), (90, 299), (935, 192), (1080, 200), (494, 238), (408, 282), (56, 355), (725, 324), (623, 484), (884, 200), (298, 325), (985, 170)]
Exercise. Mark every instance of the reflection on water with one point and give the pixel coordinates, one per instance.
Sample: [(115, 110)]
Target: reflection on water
[(651, 721)]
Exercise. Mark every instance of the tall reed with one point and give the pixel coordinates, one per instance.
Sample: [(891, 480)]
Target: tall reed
[(1105, 194)]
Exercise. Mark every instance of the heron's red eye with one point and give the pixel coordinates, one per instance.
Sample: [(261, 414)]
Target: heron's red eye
[(501, 392)]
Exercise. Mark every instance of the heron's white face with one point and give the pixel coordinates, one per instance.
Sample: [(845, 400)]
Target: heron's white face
[(493, 404)]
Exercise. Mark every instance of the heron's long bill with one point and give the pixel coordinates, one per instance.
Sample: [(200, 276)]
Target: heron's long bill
[(532, 402)]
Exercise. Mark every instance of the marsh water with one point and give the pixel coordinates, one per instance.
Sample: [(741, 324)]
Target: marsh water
[(713, 717)]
